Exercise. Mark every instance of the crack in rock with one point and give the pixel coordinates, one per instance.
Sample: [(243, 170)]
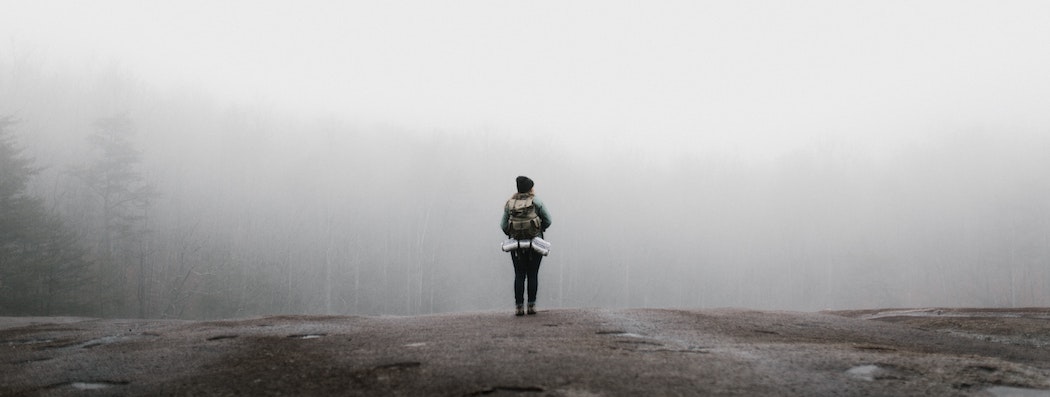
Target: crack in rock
[(221, 337), (401, 365)]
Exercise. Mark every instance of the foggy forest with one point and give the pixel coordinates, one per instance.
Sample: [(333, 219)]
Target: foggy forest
[(123, 198)]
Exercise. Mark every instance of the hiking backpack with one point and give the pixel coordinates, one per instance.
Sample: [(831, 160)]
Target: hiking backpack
[(524, 223)]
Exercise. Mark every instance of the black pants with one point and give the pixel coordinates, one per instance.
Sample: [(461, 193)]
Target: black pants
[(526, 267)]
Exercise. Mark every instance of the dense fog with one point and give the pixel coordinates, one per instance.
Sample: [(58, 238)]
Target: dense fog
[(129, 195)]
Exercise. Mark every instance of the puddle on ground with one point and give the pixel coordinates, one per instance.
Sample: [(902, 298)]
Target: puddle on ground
[(621, 333), (948, 313), (89, 386), (106, 340), (26, 341), (1006, 340), (864, 372), (307, 336), (95, 385), (1004, 391), (420, 344), (631, 335)]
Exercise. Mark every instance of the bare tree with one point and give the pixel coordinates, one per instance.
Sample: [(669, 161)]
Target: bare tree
[(121, 199)]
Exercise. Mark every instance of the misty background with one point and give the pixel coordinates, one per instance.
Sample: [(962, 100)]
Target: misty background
[(197, 159)]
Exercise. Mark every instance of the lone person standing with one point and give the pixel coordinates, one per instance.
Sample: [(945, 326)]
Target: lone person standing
[(525, 217)]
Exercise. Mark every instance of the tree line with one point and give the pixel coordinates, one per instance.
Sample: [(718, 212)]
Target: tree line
[(121, 200)]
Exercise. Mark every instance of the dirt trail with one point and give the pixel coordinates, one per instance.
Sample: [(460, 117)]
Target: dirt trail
[(555, 353)]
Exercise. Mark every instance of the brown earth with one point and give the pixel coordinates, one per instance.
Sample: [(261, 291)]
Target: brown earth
[(569, 352)]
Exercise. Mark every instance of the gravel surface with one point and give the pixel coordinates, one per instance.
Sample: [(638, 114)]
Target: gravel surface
[(566, 352)]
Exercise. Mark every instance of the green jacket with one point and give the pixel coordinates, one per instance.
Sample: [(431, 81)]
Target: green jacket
[(541, 210)]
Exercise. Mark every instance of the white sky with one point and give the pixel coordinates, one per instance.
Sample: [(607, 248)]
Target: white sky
[(753, 74)]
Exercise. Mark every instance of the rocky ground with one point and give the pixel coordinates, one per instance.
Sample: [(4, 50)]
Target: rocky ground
[(570, 352)]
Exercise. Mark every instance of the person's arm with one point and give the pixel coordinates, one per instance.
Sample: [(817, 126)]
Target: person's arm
[(545, 216)]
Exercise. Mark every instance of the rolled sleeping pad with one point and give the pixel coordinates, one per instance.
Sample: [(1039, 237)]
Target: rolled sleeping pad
[(540, 245), (510, 245)]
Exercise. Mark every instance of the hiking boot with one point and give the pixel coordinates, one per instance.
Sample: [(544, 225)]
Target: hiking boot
[(532, 309), (520, 311)]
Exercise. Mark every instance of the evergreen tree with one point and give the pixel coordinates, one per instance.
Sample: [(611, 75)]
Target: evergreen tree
[(16, 208), (17, 212), (42, 264)]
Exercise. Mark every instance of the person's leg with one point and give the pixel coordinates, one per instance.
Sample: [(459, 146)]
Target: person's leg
[(532, 274), (520, 271)]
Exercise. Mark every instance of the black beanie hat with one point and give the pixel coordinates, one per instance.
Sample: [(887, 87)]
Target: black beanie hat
[(524, 184)]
